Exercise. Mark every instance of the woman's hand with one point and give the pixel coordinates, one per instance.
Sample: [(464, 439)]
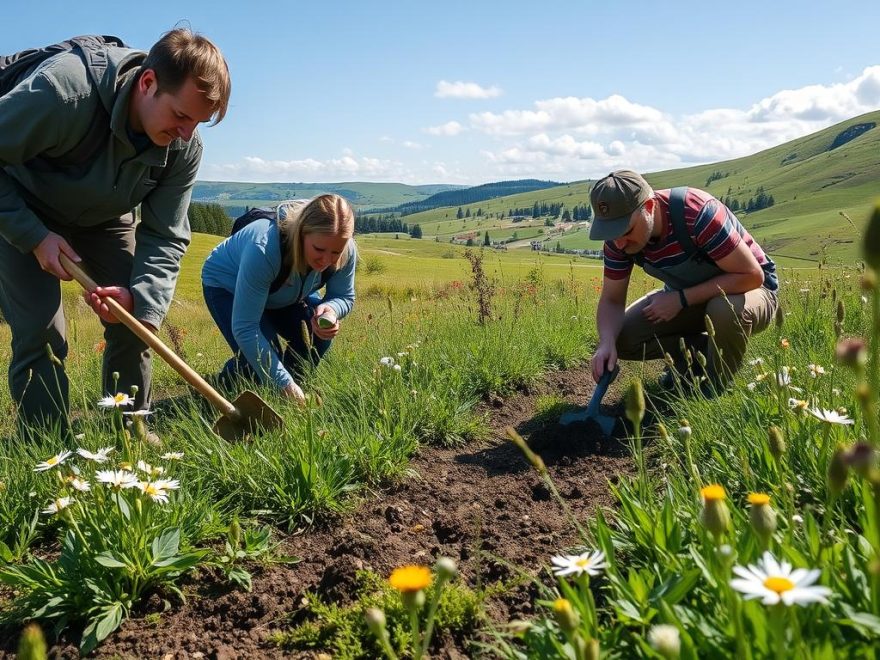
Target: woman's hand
[(328, 312), (294, 392)]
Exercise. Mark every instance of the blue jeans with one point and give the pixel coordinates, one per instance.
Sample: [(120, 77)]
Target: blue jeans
[(276, 324)]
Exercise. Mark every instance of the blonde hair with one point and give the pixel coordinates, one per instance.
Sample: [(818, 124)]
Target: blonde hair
[(325, 214), (182, 54)]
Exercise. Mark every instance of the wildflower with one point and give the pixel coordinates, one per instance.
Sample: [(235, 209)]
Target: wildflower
[(864, 300), (138, 413), (58, 505), (635, 402), (172, 456), (665, 639), (838, 471), (158, 490), (783, 377), (830, 416), (100, 456), (784, 343), (146, 468), (751, 386), (446, 568), (798, 405), (852, 352), (115, 401), (376, 621), (565, 615), (715, 516), (757, 361), (775, 582), (402, 354), (117, 479), (387, 361), (408, 579), (815, 370), (80, 484), (590, 563), (762, 516), (396, 367), (57, 459)]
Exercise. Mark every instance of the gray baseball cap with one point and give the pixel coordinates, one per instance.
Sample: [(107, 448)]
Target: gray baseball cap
[(614, 198)]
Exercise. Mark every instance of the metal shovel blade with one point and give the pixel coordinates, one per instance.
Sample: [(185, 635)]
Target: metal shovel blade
[(251, 416), (591, 412)]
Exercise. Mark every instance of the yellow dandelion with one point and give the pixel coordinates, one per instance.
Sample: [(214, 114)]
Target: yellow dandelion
[(758, 499), (713, 493), (408, 579)]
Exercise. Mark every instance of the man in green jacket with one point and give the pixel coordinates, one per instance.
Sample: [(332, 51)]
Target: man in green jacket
[(54, 200)]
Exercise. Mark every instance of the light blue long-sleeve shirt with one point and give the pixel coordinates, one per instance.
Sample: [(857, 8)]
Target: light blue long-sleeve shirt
[(245, 264)]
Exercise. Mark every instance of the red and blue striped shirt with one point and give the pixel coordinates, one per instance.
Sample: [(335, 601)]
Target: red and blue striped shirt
[(713, 227)]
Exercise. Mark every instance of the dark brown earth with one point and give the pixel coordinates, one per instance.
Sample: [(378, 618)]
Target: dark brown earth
[(478, 497)]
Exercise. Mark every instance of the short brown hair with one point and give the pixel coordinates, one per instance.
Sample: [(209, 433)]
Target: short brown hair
[(325, 214), (181, 54)]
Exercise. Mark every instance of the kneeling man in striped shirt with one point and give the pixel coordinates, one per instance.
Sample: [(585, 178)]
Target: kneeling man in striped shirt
[(719, 285)]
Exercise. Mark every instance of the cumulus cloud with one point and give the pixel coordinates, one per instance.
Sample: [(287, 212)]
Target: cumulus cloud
[(348, 167), (590, 136), (465, 90), (448, 129)]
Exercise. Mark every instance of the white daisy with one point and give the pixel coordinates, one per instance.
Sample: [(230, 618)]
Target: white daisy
[(775, 582), (99, 456), (80, 484), (387, 361), (158, 490), (56, 460), (153, 471), (590, 563), (751, 386), (783, 377), (57, 505), (138, 413), (115, 401), (816, 370), (830, 416), (117, 479), (172, 456), (756, 361)]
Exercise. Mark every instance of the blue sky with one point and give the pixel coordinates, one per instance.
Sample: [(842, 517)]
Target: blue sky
[(469, 92)]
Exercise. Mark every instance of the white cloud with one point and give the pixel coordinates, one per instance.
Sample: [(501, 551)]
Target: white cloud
[(450, 128), (465, 90), (409, 144)]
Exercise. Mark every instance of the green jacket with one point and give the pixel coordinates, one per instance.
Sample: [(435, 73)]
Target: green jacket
[(47, 114)]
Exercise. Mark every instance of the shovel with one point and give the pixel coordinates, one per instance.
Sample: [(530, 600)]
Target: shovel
[(239, 419), (591, 412)]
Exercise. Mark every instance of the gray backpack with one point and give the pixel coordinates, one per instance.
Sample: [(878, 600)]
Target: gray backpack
[(93, 49)]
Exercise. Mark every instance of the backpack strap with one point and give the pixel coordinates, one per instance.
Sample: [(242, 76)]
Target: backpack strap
[(286, 262), (679, 225)]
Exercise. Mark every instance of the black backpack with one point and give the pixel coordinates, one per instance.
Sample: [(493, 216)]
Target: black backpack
[(256, 213), (93, 49)]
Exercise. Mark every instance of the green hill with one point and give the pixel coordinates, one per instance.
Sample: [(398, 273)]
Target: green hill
[(812, 180), (362, 195)]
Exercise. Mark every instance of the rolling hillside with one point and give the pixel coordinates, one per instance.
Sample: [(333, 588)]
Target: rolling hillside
[(361, 194), (812, 179)]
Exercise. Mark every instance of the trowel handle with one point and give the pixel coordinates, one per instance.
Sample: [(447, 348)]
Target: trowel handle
[(601, 387), (150, 339)]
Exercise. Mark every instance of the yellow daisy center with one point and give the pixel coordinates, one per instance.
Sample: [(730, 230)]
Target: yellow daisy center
[(583, 563), (713, 492), (119, 398), (410, 578), (759, 499), (779, 584), (151, 490), (52, 461)]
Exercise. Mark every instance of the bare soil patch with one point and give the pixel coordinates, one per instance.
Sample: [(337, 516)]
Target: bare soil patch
[(460, 500)]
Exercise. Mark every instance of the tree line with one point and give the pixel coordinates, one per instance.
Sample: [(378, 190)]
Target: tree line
[(209, 219)]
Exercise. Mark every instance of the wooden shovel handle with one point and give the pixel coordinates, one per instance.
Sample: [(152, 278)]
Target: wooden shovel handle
[(189, 375)]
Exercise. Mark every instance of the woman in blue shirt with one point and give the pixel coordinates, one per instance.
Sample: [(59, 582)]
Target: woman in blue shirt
[(237, 282)]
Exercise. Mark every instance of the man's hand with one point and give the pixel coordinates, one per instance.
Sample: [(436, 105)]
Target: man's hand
[(664, 306), (120, 294), (47, 252), (604, 359), (325, 333)]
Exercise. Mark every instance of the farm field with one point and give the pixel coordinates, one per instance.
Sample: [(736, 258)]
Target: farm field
[(278, 547)]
